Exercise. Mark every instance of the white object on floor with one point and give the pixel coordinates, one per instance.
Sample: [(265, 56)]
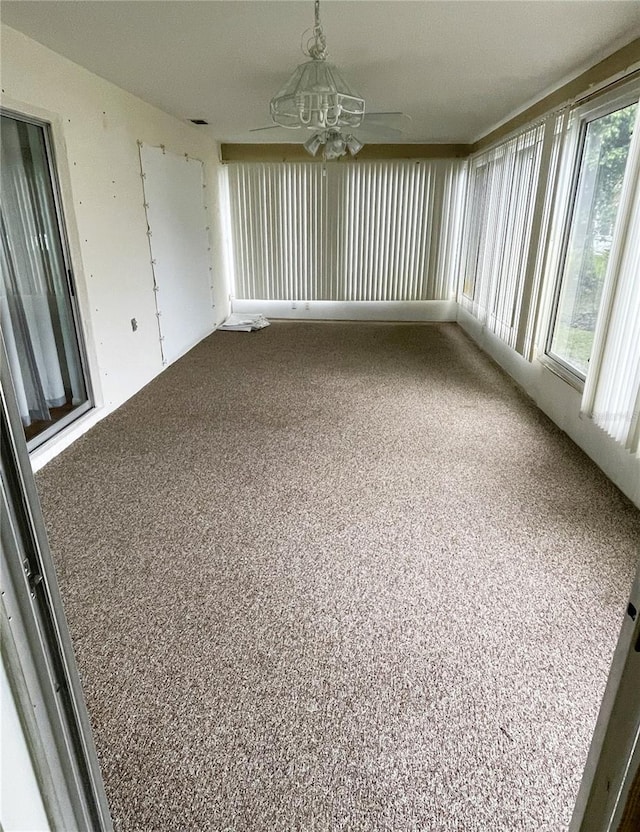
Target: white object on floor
[(244, 323)]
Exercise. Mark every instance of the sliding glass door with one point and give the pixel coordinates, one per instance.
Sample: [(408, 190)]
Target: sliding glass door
[(38, 315)]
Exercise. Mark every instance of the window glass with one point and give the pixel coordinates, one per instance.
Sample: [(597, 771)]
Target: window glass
[(36, 313), (605, 148)]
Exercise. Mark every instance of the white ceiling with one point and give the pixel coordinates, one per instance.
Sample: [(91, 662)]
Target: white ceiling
[(458, 68)]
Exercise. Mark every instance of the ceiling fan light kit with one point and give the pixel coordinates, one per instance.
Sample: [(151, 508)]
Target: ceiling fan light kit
[(317, 97), (333, 143)]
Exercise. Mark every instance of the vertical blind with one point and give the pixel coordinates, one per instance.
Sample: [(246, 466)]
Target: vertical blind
[(351, 231), (35, 311), (278, 213), (612, 389), (546, 232), (504, 190)]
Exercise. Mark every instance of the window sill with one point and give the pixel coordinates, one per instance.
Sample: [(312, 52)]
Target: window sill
[(561, 372)]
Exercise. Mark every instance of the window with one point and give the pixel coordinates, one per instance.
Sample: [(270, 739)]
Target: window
[(550, 234), (37, 310), (506, 190), (365, 231), (603, 146)]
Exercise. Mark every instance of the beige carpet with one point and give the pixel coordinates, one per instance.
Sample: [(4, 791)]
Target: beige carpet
[(339, 577)]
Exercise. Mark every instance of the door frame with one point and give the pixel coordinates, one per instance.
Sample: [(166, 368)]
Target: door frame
[(613, 762), (70, 277), (36, 645)]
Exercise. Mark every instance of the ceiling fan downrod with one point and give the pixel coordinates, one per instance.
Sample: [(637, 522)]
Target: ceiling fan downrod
[(317, 45)]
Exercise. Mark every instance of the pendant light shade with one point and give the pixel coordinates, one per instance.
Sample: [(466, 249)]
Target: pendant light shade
[(317, 96), (314, 144), (353, 145)]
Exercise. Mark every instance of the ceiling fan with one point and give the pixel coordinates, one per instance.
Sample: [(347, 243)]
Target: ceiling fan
[(318, 98)]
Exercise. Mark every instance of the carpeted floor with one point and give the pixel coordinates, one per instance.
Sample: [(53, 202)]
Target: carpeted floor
[(339, 577)]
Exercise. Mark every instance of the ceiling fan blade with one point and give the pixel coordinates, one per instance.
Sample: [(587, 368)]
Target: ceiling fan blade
[(378, 130), (393, 118), (274, 127), (398, 115), (386, 124)]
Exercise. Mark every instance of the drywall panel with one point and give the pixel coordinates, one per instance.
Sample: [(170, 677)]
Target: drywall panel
[(180, 250), (561, 403), (96, 128)]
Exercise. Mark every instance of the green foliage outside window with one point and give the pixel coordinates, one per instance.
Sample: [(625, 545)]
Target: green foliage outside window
[(601, 176)]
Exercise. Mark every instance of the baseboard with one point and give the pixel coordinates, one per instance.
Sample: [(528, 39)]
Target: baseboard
[(58, 443), (337, 310)]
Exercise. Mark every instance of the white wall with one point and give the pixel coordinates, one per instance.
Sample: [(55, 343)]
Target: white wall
[(561, 402), (96, 127)]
